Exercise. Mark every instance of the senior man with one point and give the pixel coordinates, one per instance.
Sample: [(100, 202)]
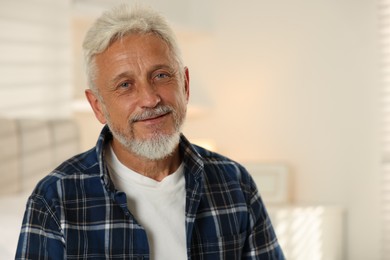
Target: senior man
[(144, 192)]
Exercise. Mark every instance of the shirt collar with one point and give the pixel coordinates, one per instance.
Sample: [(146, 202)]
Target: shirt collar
[(193, 161)]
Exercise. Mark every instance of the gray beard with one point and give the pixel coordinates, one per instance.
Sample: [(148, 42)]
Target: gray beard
[(160, 147)]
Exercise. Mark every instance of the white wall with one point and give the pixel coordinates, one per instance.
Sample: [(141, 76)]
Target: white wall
[(294, 82)]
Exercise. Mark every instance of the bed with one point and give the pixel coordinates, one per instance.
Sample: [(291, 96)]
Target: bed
[(29, 149)]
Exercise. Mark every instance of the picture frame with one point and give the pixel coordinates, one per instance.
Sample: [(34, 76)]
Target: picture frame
[(272, 180)]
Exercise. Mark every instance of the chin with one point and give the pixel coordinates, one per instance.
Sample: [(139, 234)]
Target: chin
[(159, 147)]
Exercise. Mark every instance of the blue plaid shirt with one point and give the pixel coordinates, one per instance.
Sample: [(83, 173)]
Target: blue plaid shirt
[(76, 213)]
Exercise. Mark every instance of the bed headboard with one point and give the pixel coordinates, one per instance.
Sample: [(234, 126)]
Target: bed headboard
[(31, 148)]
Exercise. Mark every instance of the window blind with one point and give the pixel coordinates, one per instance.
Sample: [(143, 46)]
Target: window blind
[(385, 39), (35, 58)]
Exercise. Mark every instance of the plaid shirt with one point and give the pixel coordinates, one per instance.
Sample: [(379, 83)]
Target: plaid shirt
[(76, 213)]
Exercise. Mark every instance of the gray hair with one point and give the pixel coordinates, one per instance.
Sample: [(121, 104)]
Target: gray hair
[(119, 22)]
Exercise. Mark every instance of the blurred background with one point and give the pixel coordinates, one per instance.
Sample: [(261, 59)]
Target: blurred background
[(295, 90)]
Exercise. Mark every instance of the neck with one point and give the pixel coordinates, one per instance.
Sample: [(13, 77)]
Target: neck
[(154, 169)]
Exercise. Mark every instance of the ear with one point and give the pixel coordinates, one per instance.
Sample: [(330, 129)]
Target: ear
[(96, 106), (187, 83)]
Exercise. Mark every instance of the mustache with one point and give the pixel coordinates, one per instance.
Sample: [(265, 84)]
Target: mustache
[(149, 113)]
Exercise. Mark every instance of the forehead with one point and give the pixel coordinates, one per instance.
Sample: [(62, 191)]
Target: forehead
[(136, 48)]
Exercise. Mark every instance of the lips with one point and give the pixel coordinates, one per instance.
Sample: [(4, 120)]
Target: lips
[(152, 117), (152, 114)]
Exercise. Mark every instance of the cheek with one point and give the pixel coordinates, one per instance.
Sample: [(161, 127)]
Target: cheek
[(180, 97), (119, 111), (183, 99)]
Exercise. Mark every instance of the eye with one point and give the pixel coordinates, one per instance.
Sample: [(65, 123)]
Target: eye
[(125, 84), (162, 76)]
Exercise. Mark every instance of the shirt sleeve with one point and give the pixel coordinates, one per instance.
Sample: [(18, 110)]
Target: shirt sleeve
[(261, 242), (40, 236)]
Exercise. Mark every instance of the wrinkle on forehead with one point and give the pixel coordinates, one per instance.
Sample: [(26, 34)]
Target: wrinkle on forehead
[(135, 54)]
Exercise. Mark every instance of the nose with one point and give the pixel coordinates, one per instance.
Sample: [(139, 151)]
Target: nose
[(149, 96)]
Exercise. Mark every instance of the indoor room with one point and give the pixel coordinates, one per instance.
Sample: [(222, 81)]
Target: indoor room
[(297, 91)]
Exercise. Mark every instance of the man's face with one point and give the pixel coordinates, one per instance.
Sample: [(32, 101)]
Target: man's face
[(143, 93)]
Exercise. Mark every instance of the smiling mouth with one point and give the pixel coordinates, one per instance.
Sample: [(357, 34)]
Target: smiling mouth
[(151, 118), (149, 115)]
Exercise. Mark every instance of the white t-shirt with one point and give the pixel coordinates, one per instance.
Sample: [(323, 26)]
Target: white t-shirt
[(158, 206)]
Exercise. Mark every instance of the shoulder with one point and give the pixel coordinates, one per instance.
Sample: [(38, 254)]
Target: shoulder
[(213, 158), (76, 168), (220, 168)]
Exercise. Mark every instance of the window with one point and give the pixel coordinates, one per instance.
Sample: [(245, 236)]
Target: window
[(35, 58)]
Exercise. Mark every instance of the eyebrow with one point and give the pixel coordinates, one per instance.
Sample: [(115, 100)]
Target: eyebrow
[(118, 77), (161, 66)]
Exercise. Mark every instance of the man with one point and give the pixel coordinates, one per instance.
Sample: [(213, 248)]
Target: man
[(144, 192)]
